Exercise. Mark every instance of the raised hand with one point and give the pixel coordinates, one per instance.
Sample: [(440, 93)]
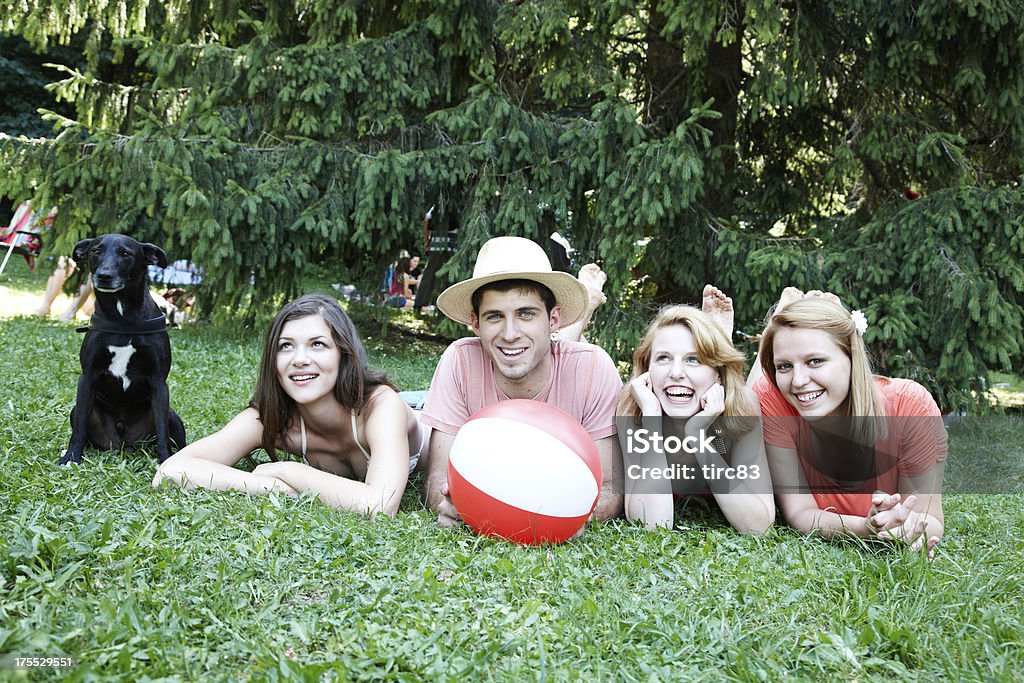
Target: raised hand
[(640, 390), (594, 279), (712, 405)]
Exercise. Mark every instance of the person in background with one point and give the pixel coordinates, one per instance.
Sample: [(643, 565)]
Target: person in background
[(400, 292), (66, 269), (414, 265), (439, 246)]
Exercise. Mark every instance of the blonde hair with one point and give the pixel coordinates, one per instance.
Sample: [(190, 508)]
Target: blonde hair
[(713, 349), (864, 399)]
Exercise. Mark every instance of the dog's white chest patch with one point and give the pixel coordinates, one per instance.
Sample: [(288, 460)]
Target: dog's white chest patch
[(119, 363)]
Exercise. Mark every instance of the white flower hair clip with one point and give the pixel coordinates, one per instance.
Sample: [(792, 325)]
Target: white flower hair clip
[(859, 321)]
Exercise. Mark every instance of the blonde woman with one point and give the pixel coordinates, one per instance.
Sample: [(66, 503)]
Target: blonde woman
[(688, 382), (851, 453)]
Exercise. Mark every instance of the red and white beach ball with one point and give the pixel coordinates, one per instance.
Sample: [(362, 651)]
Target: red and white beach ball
[(524, 471)]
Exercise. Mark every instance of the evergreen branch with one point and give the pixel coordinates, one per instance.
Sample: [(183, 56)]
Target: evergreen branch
[(306, 145), (76, 76), (954, 267)]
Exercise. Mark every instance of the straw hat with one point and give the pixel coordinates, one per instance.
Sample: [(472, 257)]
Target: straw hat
[(515, 258)]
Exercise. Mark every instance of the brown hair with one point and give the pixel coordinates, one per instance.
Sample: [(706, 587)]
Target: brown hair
[(356, 379), (521, 285), (400, 274), (713, 349)]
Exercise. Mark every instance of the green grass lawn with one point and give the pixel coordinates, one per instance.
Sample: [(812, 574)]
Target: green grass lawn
[(142, 584)]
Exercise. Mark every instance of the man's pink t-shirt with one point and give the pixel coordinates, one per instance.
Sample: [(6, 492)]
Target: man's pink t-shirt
[(584, 383), (915, 442)]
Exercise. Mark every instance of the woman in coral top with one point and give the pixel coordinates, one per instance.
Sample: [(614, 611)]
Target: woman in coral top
[(851, 453)]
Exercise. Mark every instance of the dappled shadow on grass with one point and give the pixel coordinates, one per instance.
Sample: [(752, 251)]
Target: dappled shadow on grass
[(385, 322)]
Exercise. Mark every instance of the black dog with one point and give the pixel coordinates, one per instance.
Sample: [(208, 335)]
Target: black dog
[(126, 354)]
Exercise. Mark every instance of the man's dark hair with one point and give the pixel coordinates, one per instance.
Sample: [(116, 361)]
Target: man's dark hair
[(521, 285)]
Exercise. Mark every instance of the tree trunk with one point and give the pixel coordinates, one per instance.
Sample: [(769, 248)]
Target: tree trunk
[(723, 79), (665, 97)]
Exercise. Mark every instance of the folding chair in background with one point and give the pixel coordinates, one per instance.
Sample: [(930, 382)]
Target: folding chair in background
[(23, 234)]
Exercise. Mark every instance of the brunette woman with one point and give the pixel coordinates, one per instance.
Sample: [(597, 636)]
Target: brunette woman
[(316, 398)]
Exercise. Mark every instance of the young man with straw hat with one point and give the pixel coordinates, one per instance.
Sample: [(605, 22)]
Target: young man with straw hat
[(515, 303)]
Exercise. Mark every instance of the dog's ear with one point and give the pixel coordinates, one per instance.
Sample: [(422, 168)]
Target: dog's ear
[(80, 251), (155, 256)]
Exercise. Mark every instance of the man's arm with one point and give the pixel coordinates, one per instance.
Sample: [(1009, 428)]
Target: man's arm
[(610, 500), (435, 489)]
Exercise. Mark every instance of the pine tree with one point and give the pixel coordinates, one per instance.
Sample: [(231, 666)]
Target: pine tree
[(753, 144)]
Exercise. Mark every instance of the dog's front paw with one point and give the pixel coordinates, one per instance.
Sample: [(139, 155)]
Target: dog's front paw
[(70, 457)]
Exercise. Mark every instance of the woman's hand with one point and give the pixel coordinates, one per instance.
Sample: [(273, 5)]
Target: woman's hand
[(712, 405), (278, 471), (640, 390), (893, 519), (881, 502)]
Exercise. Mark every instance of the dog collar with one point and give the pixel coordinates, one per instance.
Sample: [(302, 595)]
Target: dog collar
[(98, 323)]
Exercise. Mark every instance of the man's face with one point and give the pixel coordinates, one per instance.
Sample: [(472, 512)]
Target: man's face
[(515, 331)]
